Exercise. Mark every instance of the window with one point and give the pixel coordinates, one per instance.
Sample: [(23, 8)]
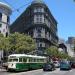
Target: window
[(20, 59), (6, 34), (15, 60), (47, 22), (38, 18), (10, 60), (0, 25), (39, 29), (37, 44), (35, 60), (30, 59), (0, 16), (42, 60), (38, 60), (24, 60), (30, 33), (8, 19), (39, 34), (38, 9), (40, 45)]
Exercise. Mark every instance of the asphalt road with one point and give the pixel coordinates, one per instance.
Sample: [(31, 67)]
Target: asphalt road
[(40, 72)]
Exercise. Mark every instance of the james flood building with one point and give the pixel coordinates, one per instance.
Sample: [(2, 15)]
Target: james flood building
[(38, 22)]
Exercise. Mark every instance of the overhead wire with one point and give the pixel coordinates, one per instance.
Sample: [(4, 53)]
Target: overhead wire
[(17, 9), (21, 7), (8, 3)]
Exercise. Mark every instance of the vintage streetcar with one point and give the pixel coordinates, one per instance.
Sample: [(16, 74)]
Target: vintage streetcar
[(22, 62)]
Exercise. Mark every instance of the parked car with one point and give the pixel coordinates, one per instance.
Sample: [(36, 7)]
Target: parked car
[(72, 64), (5, 65), (48, 67), (65, 65), (56, 63)]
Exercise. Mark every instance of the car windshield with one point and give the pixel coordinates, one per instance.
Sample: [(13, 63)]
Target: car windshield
[(47, 65), (65, 62), (10, 60)]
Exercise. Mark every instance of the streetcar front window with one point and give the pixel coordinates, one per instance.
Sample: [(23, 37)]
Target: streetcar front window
[(10, 60), (15, 60)]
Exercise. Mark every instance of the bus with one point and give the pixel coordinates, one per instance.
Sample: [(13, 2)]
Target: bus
[(23, 62)]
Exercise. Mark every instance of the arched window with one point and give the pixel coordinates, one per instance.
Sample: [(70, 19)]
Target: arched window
[(8, 19), (0, 16)]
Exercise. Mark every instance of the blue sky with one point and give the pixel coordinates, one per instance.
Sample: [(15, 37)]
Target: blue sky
[(62, 10)]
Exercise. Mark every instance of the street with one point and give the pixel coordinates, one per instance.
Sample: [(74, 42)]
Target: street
[(40, 72)]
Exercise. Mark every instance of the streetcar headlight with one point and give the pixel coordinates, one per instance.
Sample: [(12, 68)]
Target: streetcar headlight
[(12, 65)]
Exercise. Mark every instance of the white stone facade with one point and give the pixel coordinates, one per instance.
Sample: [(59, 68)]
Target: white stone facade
[(69, 50), (5, 12)]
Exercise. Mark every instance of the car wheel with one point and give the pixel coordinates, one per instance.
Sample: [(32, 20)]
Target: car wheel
[(60, 69), (44, 70)]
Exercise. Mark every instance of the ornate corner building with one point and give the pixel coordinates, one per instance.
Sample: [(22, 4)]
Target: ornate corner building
[(5, 12), (38, 22)]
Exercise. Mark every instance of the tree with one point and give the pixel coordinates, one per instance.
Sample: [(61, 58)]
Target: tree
[(4, 46), (21, 43), (1, 38), (74, 49), (4, 43), (17, 43), (52, 51)]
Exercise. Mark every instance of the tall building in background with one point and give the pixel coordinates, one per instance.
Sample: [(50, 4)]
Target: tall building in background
[(62, 46), (5, 12), (69, 50), (38, 22), (71, 41)]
